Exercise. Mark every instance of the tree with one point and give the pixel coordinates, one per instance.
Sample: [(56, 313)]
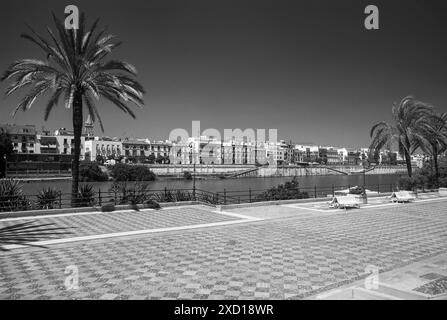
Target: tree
[(151, 158), (5, 150), (75, 69), (435, 138), (408, 115), (160, 159), (100, 159)]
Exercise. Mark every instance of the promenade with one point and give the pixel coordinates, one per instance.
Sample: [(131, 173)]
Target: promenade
[(292, 251)]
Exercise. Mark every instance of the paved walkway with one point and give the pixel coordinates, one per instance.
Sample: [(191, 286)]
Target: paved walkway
[(295, 254)]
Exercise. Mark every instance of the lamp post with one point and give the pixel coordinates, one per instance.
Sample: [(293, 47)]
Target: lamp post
[(364, 182), (6, 165)]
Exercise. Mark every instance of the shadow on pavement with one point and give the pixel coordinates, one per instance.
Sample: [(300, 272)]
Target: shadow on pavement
[(28, 232)]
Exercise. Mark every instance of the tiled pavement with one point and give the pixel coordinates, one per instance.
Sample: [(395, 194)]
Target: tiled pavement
[(289, 257), (69, 226)]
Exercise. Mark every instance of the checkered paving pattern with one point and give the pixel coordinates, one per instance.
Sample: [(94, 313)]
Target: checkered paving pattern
[(103, 223), (291, 257), (416, 211)]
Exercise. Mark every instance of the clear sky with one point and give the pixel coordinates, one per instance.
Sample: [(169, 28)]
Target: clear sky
[(309, 69)]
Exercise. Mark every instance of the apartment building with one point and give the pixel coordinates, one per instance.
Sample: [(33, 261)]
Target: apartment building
[(23, 137)]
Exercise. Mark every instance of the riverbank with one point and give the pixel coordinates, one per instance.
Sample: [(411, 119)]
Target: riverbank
[(385, 181), (176, 172)]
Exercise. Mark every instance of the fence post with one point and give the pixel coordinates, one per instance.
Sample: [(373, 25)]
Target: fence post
[(217, 197), (60, 200), (249, 194), (99, 197), (225, 196), (166, 192), (194, 192), (315, 191), (378, 188)]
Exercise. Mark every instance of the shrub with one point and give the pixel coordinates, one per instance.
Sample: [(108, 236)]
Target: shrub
[(86, 196), (208, 198), (181, 195), (48, 198), (443, 182), (125, 172), (11, 196), (164, 196), (187, 175), (425, 177), (289, 190), (91, 172), (416, 181), (134, 193)]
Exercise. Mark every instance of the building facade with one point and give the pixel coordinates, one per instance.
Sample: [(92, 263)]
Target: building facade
[(205, 150), (23, 137), (104, 147)]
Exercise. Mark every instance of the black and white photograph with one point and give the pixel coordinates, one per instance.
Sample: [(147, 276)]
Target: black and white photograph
[(225, 155)]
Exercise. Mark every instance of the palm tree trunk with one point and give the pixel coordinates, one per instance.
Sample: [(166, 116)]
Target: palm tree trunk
[(435, 161), (408, 162), (77, 132)]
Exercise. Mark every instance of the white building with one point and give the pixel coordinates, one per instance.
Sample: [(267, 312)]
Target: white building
[(104, 147)]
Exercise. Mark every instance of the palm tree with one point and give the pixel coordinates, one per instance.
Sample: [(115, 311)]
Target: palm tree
[(75, 69), (435, 138), (408, 115)]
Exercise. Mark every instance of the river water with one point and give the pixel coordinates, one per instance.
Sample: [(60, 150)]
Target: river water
[(243, 184)]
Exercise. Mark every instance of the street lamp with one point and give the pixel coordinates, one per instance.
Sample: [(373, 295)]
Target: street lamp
[(6, 165), (364, 181)]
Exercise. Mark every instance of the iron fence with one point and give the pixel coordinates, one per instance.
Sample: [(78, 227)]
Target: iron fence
[(117, 196)]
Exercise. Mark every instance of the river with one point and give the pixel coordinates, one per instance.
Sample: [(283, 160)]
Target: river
[(242, 184)]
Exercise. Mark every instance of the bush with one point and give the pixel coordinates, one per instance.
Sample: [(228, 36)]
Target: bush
[(443, 182), (181, 195), (425, 177), (89, 172), (11, 196), (86, 196), (48, 198), (289, 190), (187, 175), (164, 196), (132, 194), (418, 180), (125, 172)]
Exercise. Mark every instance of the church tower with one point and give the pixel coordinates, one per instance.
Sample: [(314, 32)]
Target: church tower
[(88, 125)]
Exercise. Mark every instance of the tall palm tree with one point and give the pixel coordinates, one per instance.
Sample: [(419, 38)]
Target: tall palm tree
[(408, 115), (435, 138), (75, 69)]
